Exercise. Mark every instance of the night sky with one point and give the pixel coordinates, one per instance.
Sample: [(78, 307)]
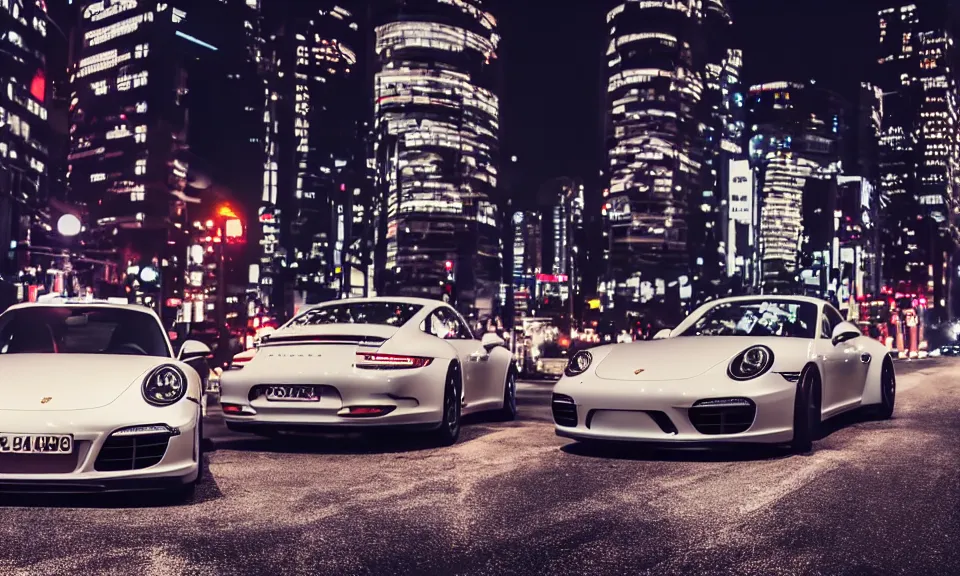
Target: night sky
[(552, 57)]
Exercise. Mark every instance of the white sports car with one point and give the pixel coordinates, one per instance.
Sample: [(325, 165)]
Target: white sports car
[(750, 370), (94, 400), (370, 363)]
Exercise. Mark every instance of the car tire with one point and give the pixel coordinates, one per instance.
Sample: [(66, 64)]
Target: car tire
[(888, 391), (508, 412), (807, 411), (449, 430)]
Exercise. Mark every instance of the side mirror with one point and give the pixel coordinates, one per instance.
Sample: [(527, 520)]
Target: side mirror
[(490, 341), (192, 349), (663, 334), (844, 332)]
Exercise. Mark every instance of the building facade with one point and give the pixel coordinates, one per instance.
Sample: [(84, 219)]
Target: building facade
[(314, 203), (796, 151), (670, 69), (919, 155), (24, 128), (436, 143), (154, 143)]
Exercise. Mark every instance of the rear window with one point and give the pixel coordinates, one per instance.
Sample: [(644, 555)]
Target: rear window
[(383, 313)]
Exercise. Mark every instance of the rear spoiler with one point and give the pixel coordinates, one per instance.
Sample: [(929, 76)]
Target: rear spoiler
[(274, 340)]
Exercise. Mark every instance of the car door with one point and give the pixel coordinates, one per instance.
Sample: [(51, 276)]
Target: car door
[(856, 357), (446, 324), (488, 372), (841, 363)]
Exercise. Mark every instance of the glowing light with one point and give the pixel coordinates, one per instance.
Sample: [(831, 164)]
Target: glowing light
[(69, 225)]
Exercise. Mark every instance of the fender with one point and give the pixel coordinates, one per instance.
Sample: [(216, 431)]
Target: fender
[(871, 387)]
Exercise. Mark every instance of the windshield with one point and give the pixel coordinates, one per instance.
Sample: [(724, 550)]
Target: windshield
[(385, 313), (786, 318), (81, 330)]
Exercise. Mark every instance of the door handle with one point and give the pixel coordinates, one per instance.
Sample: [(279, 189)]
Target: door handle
[(479, 357)]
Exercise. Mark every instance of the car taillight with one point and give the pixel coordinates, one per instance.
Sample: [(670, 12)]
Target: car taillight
[(238, 363), (390, 361)]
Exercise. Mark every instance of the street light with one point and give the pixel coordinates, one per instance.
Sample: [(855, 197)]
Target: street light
[(69, 225)]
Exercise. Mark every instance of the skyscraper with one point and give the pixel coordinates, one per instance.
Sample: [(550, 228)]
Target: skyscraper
[(436, 131), (139, 74), (796, 150), (919, 157), (314, 178), (661, 228), (24, 132)]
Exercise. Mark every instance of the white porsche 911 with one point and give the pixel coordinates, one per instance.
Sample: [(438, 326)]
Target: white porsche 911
[(94, 400), (750, 370), (359, 364)]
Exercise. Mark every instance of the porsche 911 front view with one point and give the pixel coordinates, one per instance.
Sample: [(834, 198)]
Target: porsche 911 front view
[(96, 401), (742, 370)]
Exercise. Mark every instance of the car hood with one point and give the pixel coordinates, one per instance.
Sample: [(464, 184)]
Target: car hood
[(687, 357), (69, 381)]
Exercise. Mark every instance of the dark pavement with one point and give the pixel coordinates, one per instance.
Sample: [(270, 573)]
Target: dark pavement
[(874, 498)]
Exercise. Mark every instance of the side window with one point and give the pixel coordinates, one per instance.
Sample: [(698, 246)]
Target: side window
[(826, 331), (830, 319), (445, 324)]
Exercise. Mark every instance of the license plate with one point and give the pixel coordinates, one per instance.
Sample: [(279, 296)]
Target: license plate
[(292, 394), (36, 443)]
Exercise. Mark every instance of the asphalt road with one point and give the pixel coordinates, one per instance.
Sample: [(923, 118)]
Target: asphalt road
[(874, 498)]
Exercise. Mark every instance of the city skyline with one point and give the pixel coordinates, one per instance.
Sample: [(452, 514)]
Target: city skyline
[(392, 141)]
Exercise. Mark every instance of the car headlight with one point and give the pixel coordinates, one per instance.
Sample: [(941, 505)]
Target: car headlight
[(164, 386), (751, 363), (579, 363)]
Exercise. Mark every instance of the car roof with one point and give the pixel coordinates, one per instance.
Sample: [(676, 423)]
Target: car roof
[(807, 299), (392, 299), (81, 303)]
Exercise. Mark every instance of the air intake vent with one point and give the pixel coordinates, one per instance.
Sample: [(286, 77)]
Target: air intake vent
[(564, 411), (723, 415), (791, 376), (132, 451)]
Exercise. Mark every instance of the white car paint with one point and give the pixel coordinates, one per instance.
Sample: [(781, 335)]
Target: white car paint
[(325, 357), (92, 396), (627, 387)]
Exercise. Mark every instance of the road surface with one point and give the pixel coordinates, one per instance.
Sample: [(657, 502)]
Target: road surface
[(874, 498)]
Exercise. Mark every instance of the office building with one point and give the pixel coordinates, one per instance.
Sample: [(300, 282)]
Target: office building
[(436, 138), (918, 152), (24, 130), (796, 150), (154, 141), (667, 65)]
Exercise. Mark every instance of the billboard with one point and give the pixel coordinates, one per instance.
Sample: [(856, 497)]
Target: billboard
[(740, 192)]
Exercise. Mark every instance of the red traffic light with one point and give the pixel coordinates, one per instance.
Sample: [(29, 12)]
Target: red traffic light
[(448, 265)]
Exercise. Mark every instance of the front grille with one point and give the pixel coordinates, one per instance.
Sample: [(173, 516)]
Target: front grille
[(564, 410), (132, 452), (723, 415)]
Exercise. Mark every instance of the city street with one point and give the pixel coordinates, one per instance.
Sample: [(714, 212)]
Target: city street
[(874, 498)]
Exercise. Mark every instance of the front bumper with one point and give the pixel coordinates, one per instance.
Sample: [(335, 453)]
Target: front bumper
[(86, 470), (414, 399), (705, 410)]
